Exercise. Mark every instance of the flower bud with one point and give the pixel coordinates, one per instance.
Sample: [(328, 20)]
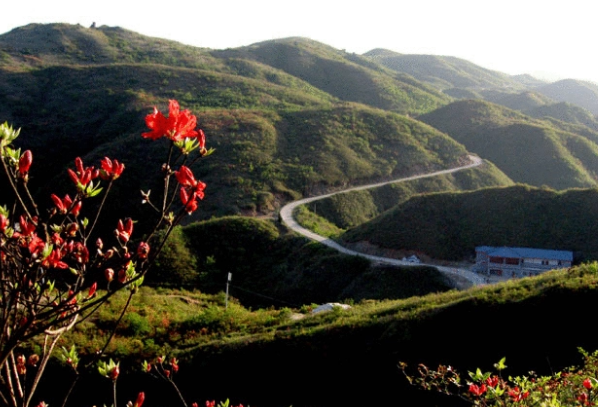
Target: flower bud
[(109, 274), (114, 372)]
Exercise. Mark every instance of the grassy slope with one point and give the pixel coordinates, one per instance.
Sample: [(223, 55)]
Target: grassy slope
[(277, 135), (581, 93), (456, 328), (343, 75), (451, 225), (354, 208), (442, 71), (527, 150)]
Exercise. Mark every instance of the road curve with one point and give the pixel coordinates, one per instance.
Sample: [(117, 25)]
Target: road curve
[(286, 216)]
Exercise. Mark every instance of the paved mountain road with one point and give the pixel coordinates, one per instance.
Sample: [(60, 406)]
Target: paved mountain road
[(286, 215)]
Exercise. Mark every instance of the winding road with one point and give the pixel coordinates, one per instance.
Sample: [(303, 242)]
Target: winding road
[(286, 215)]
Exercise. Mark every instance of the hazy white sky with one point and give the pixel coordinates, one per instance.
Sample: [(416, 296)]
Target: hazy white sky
[(541, 37)]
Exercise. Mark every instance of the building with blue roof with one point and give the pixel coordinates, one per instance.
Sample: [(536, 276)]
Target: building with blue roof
[(519, 261)]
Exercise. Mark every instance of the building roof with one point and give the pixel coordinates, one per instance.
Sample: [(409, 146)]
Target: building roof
[(526, 253)]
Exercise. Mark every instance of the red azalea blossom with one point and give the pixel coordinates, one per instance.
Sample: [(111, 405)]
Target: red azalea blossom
[(111, 169), (25, 162), (92, 290), (3, 223), (124, 230), (114, 372), (27, 228), (140, 400), (477, 390), (143, 250), (178, 126), (54, 260), (516, 395), (66, 204), (189, 202), (82, 175), (109, 274), (492, 381), (587, 383), (185, 177)]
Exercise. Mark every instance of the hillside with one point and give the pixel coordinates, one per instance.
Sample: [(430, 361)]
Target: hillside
[(527, 150), (450, 225), (580, 93), (351, 209), (444, 72), (278, 134), (348, 77), (368, 341)]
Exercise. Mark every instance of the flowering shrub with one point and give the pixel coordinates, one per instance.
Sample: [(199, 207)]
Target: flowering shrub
[(55, 270), (572, 387)]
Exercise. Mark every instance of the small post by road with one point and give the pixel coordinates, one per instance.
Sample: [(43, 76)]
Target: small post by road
[(230, 277)]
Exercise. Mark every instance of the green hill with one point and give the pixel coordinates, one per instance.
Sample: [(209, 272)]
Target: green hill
[(278, 134), (566, 112), (524, 101), (450, 225), (528, 150), (346, 76), (580, 93), (444, 72), (351, 209)]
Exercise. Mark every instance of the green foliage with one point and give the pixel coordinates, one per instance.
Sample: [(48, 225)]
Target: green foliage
[(527, 150), (176, 265), (451, 225)]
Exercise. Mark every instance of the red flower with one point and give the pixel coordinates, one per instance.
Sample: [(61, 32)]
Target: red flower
[(92, 290), (66, 204), (54, 260), (477, 390), (3, 223), (492, 381), (82, 176), (27, 228), (111, 169), (124, 230), (178, 126), (185, 177), (114, 372), (516, 395), (140, 400), (25, 162), (189, 202), (143, 250), (210, 403), (109, 274), (587, 383)]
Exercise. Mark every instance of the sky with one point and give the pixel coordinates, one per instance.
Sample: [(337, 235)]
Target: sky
[(550, 39)]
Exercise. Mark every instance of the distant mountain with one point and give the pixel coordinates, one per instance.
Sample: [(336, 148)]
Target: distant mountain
[(580, 93), (523, 101), (528, 150), (445, 72), (346, 76), (566, 112)]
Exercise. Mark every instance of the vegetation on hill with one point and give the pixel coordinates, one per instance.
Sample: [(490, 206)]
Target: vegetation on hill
[(444, 72), (348, 210), (279, 135), (273, 268), (580, 93), (566, 112), (345, 76), (528, 150), (450, 225), (456, 328)]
